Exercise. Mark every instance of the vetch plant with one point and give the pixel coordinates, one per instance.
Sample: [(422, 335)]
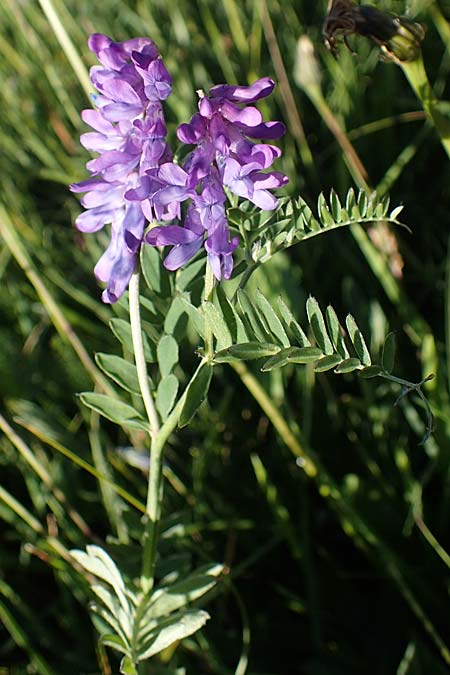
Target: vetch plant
[(219, 200)]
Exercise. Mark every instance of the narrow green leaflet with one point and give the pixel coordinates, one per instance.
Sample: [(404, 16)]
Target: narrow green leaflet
[(318, 327), (96, 561), (173, 629), (217, 326), (188, 274), (324, 211), (358, 341), (120, 371), (176, 319), (155, 275), (114, 641), (195, 315), (362, 203), (348, 366), (305, 355), (335, 206), (396, 212), (370, 371), (114, 621), (166, 394), (164, 601), (273, 322), (388, 355), (335, 333), (167, 354), (292, 325), (116, 411), (127, 666), (279, 360), (246, 351), (122, 331), (253, 317), (327, 363), (230, 316), (196, 394), (112, 612)]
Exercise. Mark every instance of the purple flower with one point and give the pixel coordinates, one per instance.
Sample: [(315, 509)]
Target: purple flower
[(224, 157), (134, 178), (130, 139)]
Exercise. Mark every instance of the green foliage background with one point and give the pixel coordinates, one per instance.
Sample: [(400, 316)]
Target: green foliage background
[(345, 579)]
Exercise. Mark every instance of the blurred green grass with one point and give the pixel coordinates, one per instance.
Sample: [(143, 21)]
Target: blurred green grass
[(318, 595)]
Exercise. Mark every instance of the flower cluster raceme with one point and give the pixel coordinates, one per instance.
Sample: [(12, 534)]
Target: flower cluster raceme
[(130, 137), (224, 157), (135, 179)]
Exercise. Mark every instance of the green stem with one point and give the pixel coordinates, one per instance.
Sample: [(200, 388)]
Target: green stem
[(154, 493), (138, 347), (209, 287), (154, 488), (417, 77)]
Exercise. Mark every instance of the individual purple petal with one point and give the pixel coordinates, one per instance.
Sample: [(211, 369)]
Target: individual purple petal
[(133, 226), (259, 153), (220, 252), (180, 255), (93, 183), (120, 276), (108, 196), (268, 130), (157, 81), (194, 132), (211, 203), (142, 191), (94, 219), (259, 89), (175, 184), (221, 134), (239, 179), (170, 235), (269, 181), (120, 91), (98, 142), (115, 112), (249, 116), (97, 121), (206, 107)]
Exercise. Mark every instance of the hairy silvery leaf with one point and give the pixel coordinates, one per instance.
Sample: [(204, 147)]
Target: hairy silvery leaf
[(166, 600), (171, 630), (120, 371), (167, 353), (166, 394), (117, 411), (217, 326), (195, 394), (122, 331)]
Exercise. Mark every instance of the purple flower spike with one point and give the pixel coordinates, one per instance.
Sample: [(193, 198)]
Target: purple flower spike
[(130, 137), (223, 157), (134, 178), (259, 89)]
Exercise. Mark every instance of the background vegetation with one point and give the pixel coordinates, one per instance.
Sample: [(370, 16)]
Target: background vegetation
[(345, 573)]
